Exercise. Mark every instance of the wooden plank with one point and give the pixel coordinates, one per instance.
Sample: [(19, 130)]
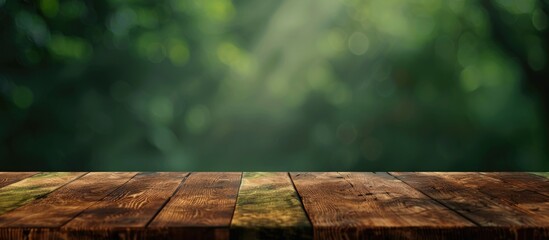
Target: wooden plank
[(201, 209), (62, 205), (537, 183), (29, 189), (398, 204), (128, 208), (487, 211), (543, 174), (533, 203), (7, 178), (470, 202), (367, 205), (268, 207)]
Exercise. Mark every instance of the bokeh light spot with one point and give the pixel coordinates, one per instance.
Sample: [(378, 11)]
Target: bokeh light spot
[(220, 10), (33, 26), (121, 22), (469, 79), (178, 52), (358, 43), (73, 9), (539, 19), (161, 110), (228, 53), (22, 97), (319, 77), (197, 118), (147, 18), (69, 47), (332, 43), (163, 138), (49, 7)]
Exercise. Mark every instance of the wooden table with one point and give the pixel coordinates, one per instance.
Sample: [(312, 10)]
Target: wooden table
[(259, 205)]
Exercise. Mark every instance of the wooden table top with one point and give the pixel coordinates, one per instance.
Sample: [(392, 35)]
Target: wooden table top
[(273, 205)]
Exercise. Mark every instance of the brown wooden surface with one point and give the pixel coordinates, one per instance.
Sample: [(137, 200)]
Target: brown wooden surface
[(488, 212), (31, 188), (132, 205), (269, 207), (528, 181), (252, 205), (359, 205), (533, 205), (201, 208), (61, 206), (7, 178)]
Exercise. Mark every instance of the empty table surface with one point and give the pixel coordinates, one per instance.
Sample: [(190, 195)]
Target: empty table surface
[(274, 205)]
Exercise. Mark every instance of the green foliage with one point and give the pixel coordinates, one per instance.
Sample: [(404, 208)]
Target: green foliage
[(272, 85)]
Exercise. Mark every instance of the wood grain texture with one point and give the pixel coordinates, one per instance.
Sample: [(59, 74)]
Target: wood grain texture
[(510, 221), (347, 205), (7, 178), (133, 205), (269, 207), (60, 206), (397, 204), (533, 204), (367, 205), (201, 209), (537, 183), (31, 188)]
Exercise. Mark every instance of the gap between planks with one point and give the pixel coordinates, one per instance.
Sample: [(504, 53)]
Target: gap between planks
[(438, 201), (463, 192), (370, 205)]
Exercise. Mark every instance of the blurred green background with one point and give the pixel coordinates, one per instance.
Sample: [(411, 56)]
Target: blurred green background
[(316, 85)]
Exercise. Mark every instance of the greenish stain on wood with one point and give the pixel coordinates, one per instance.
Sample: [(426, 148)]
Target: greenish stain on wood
[(269, 207), (545, 174), (29, 189)]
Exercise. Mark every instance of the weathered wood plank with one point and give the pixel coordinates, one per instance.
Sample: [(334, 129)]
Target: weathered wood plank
[(7, 178), (60, 206), (31, 188), (472, 203), (537, 183), (133, 205), (367, 205), (544, 174), (534, 204), (201, 209), (487, 211), (398, 204), (269, 207)]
